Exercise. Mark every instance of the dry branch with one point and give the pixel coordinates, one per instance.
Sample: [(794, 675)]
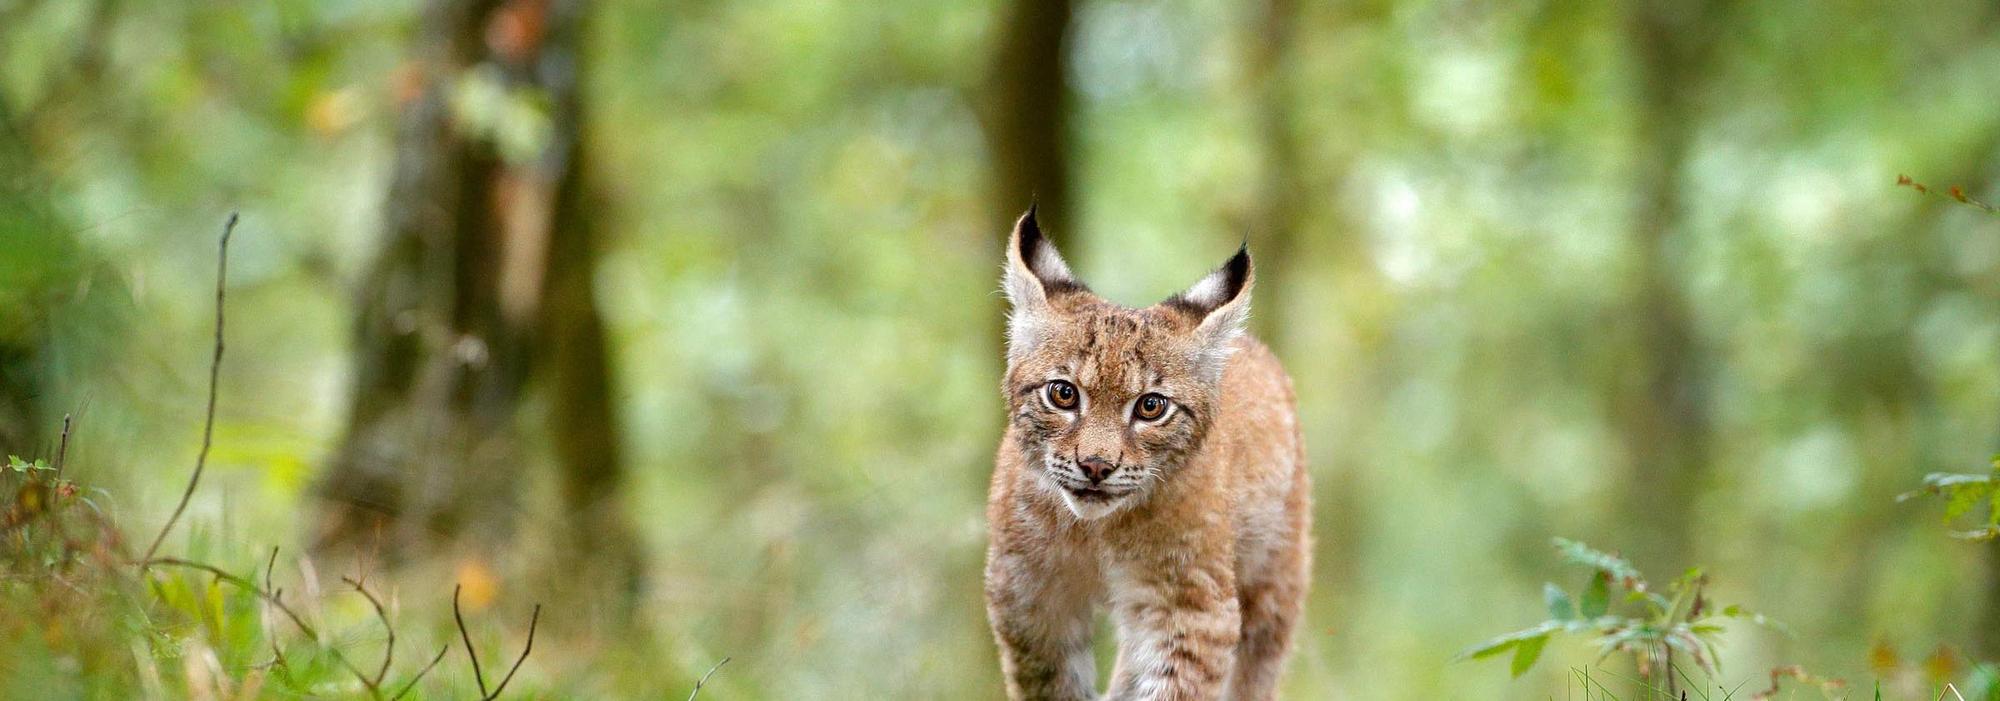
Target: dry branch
[(530, 645), (389, 647), (435, 659), (277, 655), (62, 448), (470, 652), (703, 681), (478, 676), (214, 374)]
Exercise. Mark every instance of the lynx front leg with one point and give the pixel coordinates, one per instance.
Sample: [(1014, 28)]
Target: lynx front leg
[(1043, 629), (1177, 636), (1270, 611), (1272, 596)]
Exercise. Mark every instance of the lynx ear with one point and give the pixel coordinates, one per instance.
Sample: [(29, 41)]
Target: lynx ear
[(1035, 273), (1220, 305)]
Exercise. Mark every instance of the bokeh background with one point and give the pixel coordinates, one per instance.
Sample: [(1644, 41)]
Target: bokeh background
[(692, 305)]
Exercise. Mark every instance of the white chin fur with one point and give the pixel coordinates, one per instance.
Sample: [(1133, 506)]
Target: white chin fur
[(1091, 510)]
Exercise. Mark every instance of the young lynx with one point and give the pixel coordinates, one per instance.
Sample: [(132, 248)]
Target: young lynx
[(1152, 465)]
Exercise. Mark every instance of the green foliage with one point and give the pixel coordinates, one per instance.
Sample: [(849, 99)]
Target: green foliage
[(1654, 628), (19, 465), (1963, 494), (95, 625)]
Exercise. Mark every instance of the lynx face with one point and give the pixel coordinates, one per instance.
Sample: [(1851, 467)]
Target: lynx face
[(1110, 400)]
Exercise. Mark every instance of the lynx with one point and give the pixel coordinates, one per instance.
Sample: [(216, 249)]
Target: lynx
[(1152, 466)]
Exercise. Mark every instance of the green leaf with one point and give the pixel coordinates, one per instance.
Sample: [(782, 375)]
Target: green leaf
[(1497, 645), (1525, 654), (1979, 535), (1561, 608), (1619, 568), (1993, 510), (1960, 499), (1596, 596)]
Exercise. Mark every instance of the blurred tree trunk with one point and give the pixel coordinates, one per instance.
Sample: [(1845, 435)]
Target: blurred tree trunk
[(577, 361), (20, 419), (1028, 98), (1667, 423), (482, 283), (21, 333), (429, 393), (1274, 225)]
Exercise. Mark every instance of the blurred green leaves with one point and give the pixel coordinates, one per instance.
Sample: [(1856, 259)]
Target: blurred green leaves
[(1963, 494), (18, 465), (514, 118), (1653, 628)]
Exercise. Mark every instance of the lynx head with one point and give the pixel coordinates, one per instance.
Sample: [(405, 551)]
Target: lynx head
[(1109, 401)]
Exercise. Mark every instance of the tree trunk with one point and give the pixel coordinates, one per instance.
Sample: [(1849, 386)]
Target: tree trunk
[(483, 282), (20, 385), (1273, 230), (577, 361), (1667, 424), (422, 354), (1027, 108), (21, 331)]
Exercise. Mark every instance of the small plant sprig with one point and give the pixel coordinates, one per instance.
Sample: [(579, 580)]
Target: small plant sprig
[(1955, 193), (1962, 494), (1656, 628), (42, 488)]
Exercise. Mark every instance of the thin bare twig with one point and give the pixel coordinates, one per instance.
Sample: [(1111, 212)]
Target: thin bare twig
[(407, 686), (478, 676), (530, 645), (62, 448), (703, 681), (245, 584), (388, 648), (470, 653), (277, 655), (214, 374)]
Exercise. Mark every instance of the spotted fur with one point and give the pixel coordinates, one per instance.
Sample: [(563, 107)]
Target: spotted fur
[(1191, 530)]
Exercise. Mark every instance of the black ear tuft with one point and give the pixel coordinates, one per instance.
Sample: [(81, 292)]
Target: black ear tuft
[(1218, 288), (1029, 233), (1039, 258), (1237, 271)]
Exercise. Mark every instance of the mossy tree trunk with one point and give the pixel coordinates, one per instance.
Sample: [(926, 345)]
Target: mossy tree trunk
[(480, 292)]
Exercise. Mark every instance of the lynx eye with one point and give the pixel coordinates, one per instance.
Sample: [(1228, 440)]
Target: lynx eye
[(1150, 407), (1062, 395)]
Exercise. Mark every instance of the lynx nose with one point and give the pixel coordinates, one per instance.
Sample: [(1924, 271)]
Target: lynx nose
[(1096, 468)]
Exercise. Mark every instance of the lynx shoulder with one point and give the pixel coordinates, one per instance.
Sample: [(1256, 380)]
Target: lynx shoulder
[(1152, 468)]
